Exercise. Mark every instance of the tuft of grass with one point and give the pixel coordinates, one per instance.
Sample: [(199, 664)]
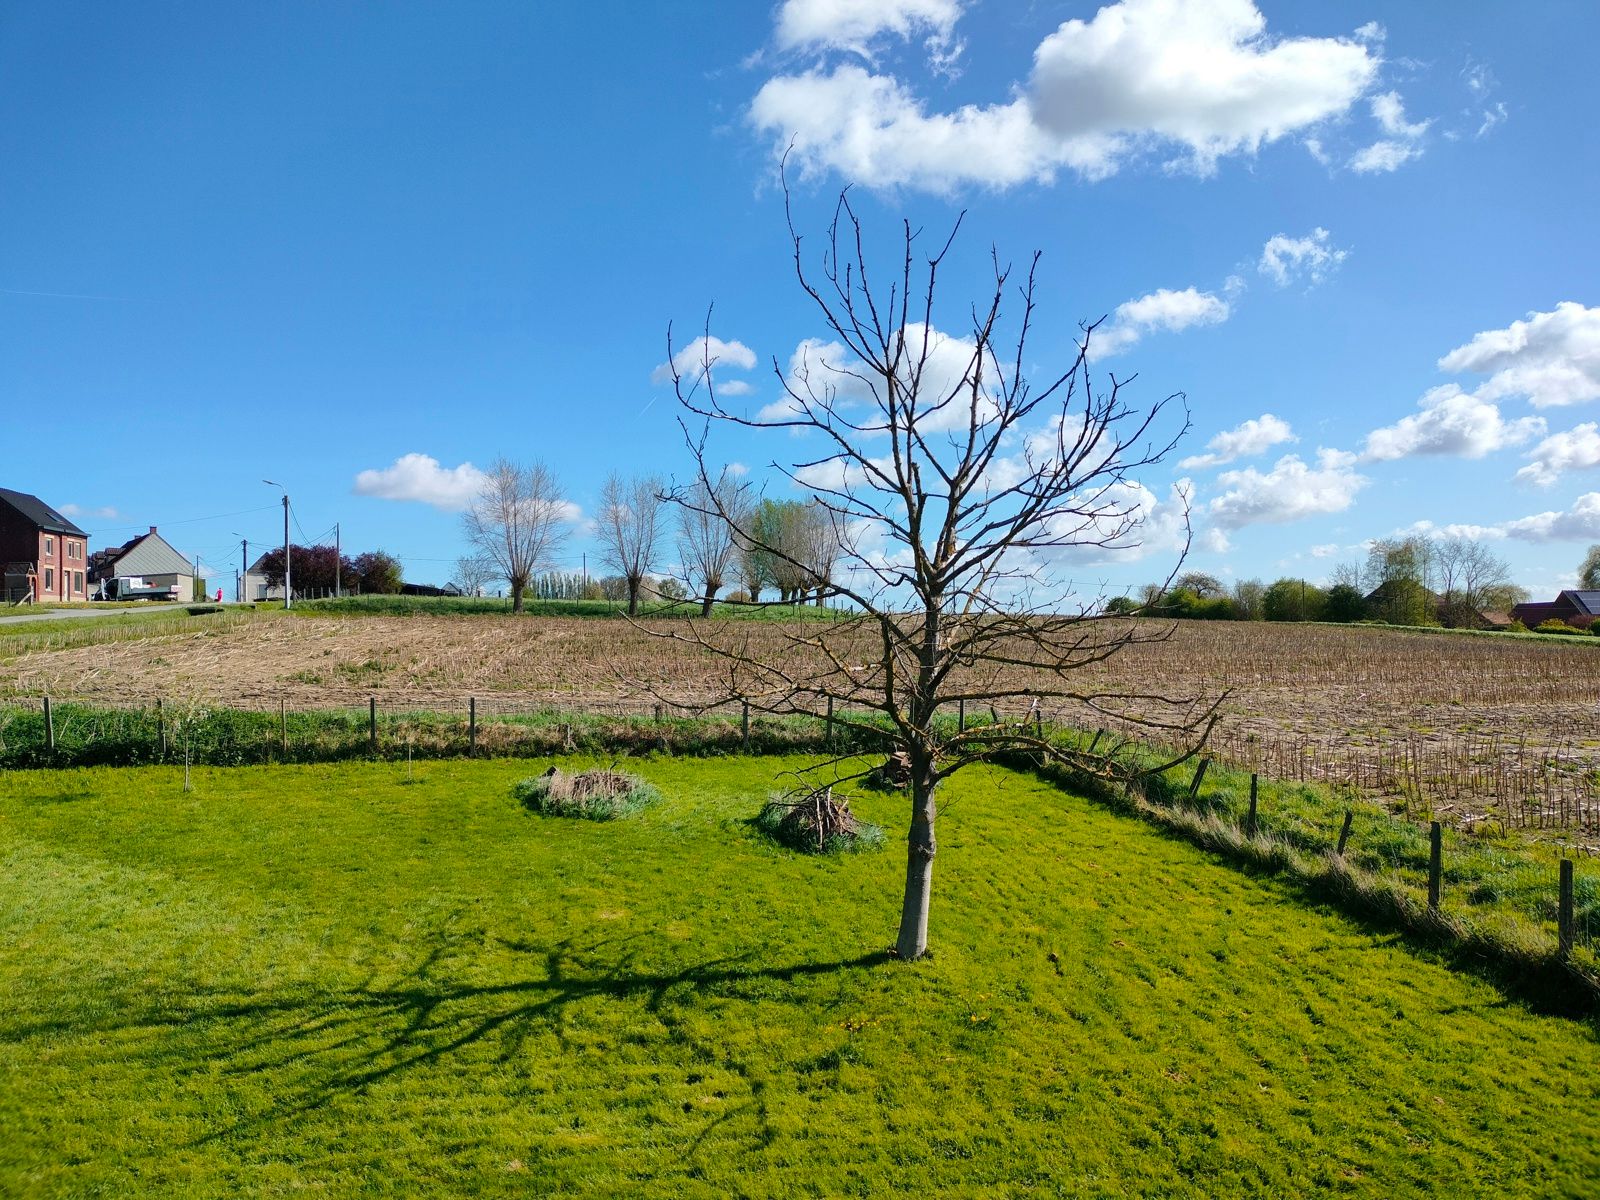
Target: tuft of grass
[(595, 795), (775, 820)]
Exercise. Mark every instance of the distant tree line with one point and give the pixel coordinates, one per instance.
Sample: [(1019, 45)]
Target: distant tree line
[(723, 536), (1404, 581)]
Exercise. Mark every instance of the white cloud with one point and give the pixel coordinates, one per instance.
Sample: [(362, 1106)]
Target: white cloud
[(853, 25), (1383, 156), (829, 371), (1575, 449), (737, 469), (1580, 523), (1451, 422), (107, 513), (691, 360), (1140, 75), (736, 387), (1244, 441), (1162, 310), (420, 477), (1290, 491), (1390, 112), (1402, 140), (1492, 117), (1285, 259), (1326, 550), (1552, 358)]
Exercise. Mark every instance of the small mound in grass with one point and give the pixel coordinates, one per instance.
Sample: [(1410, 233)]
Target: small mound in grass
[(817, 822), (600, 795)]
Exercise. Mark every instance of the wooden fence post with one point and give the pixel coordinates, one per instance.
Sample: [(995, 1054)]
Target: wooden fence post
[(372, 724), (1250, 819), (1098, 734), (1435, 864), (744, 724), (161, 726), (1199, 774), (961, 715), (472, 726), (1344, 832), (49, 728), (1564, 920), (829, 738), (658, 714), (283, 728)]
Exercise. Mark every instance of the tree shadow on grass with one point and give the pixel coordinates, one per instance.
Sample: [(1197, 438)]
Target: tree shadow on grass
[(315, 1046)]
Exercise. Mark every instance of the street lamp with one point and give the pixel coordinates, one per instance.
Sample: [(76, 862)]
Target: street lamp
[(288, 591)]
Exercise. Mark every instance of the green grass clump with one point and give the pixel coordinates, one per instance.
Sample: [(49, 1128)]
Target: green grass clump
[(594, 795), (784, 821), (342, 980)]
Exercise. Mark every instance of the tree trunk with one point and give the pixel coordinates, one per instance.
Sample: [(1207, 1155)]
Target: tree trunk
[(913, 939), (710, 599), (633, 596), (516, 597)]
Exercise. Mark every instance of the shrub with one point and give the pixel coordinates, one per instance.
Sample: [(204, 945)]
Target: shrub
[(1555, 625), (601, 795), (816, 822)]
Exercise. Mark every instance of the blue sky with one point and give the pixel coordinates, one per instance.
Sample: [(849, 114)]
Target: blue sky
[(366, 250)]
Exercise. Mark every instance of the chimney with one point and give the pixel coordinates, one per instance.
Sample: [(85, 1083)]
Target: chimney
[(152, 529)]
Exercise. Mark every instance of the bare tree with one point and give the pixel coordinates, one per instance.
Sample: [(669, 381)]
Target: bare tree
[(517, 521), (474, 572), (706, 541), (1466, 571), (628, 527), (958, 493)]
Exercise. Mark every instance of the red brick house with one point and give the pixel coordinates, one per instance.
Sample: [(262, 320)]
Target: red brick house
[(43, 556), (1578, 607)]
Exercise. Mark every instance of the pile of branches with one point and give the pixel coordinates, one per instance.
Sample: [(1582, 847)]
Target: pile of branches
[(891, 775), (815, 821), (599, 795)]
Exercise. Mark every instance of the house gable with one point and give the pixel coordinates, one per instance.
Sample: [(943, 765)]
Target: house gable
[(151, 554)]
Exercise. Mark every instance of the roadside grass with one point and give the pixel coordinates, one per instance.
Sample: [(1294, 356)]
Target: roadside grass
[(382, 979), (408, 606), (66, 633)]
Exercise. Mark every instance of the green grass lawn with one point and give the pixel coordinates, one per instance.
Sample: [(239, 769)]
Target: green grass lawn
[(339, 980)]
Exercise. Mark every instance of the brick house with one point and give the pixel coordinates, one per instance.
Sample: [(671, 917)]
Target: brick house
[(1578, 607), (43, 556)]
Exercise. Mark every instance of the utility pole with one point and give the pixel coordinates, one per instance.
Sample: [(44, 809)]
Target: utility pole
[(244, 566), (288, 586), (585, 595), (337, 583), (196, 576)]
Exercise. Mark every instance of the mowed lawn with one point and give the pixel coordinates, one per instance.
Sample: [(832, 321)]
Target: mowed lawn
[(342, 981)]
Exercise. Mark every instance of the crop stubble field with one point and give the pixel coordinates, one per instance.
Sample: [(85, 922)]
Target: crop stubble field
[(1465, 726)]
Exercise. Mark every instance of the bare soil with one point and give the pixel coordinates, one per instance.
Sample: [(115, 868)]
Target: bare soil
[(1385, 709)]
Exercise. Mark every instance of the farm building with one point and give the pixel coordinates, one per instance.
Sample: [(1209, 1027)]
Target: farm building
[(43, 556), (146, 568), (1576, 607)]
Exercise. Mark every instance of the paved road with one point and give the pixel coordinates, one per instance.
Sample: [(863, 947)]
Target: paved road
[(62, 614)]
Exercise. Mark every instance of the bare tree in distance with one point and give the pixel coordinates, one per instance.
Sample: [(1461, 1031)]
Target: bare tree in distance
[(1468, 572), (517, 521), (628, 527), (474, 572), (707, 544), (957, 492)]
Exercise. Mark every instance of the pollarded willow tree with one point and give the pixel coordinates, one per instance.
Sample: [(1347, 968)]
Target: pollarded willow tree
[(959, 493)]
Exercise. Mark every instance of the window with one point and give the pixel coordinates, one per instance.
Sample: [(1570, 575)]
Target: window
[(77, 581), (49, 546), (49, 579)]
